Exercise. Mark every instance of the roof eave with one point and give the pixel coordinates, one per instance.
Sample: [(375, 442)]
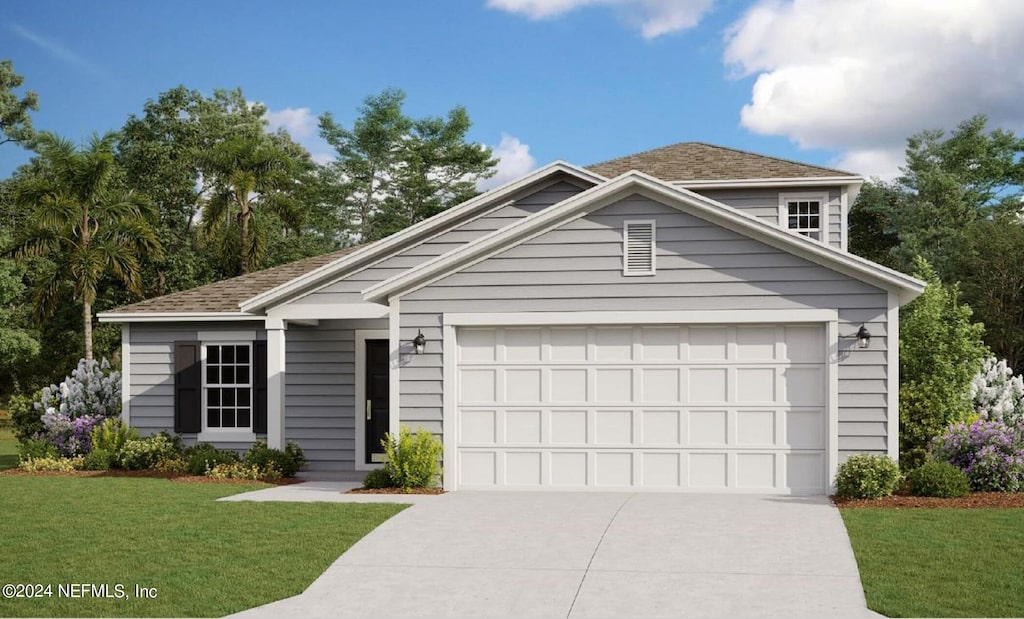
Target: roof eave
[(795, 181), (126, 317)]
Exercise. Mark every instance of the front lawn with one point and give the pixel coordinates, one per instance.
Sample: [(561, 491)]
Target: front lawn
[(8, 449), (940, 562), (204, 558)]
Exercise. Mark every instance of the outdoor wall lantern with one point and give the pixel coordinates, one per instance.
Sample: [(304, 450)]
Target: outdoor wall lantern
[(863, 337), (419, 343)]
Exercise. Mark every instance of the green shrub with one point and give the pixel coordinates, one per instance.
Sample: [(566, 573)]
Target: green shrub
[(941, 348), (378, 478), (287, 462), (32, 448), (202, 457), (412, 459), (98, 460), (240, 470), (55, 463), (176, 465), (110, 436), (144, 453), (26, 419), (940, 479), (866, 476)]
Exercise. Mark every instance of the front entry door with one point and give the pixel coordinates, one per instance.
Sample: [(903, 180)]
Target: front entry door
[(377, 398)]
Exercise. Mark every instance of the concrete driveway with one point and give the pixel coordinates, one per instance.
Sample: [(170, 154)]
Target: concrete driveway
[(593, 555)]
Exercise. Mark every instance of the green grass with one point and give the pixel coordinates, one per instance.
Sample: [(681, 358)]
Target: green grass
[(940, 562), (8, 449), (204, 558)]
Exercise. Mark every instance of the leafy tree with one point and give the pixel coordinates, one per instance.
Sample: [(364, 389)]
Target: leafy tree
[(15, 122), (19, 345), (249, 175), (83, 225), (940, 350), (989, 264), (394, 170), (948, 183), (159, 152)]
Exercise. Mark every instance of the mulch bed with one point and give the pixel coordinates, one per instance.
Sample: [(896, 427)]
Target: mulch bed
[(976, 500), (396, 491), (201, 479)]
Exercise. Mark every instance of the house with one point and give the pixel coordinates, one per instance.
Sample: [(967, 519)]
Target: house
[(687, 318)]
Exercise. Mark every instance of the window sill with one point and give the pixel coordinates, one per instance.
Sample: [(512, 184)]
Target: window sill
[(226, 436)]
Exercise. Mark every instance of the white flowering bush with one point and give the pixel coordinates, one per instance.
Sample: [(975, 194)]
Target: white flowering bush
[(70, 410), (997, 394)]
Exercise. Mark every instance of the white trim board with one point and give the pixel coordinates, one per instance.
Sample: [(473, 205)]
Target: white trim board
[(892, 365), (310, 279), (126, 374), (755, 316), (360, 402), (637, 183), (126, 317), (817, 181)]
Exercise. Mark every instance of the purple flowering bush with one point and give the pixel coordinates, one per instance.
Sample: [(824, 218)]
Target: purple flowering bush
[(991, 453), (69, 411)]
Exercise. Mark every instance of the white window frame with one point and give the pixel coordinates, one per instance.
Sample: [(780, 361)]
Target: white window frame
[(236, 434), (821, 199), (625, 246)]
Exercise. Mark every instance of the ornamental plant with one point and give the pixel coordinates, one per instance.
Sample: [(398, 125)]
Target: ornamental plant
[(997, 394), (991, 453), (867, 476), (70, 410), (412, 459)]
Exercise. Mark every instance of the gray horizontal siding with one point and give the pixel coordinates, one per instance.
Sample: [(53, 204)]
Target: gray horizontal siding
[(320, 391), (152, 370), (348, 289), (319, 385), (764, 204), (578, 267)]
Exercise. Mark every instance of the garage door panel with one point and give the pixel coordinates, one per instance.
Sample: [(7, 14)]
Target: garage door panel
[(659, 385), (708, 385), (613, 385), (665, 407)]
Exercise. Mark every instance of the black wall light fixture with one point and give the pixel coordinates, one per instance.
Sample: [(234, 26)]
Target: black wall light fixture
[(419, 343), (863, 337)]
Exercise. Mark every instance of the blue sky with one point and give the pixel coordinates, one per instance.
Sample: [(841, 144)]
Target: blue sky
[(580, 80)]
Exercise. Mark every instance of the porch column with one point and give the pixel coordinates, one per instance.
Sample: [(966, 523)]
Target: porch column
[(275, 382)]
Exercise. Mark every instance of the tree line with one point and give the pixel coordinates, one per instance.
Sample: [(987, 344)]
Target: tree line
[(192, 189)]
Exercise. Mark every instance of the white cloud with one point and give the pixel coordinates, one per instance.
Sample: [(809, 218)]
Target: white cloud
[(861, 76), (298, 121), (514, 160), (653, 17)]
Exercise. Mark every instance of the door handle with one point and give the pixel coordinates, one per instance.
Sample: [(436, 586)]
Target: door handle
[(369, 409)]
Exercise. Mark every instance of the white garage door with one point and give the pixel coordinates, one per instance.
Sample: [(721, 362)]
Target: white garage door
[(733, 408)]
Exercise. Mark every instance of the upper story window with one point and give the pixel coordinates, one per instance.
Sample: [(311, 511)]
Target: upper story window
[(804, 214), (638, 247), (227, 386)]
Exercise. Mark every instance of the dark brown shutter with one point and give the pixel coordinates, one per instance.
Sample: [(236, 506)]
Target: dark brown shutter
[(188, 384), (259, 376)]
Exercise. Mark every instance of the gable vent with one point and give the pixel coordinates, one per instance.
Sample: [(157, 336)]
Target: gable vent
[(638, 247)]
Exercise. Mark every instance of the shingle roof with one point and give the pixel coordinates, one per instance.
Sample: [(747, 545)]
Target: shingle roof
[(225, 295), (693, 161)]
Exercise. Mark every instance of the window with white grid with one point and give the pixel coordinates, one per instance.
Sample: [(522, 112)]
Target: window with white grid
[(227, 385), (804, 214)]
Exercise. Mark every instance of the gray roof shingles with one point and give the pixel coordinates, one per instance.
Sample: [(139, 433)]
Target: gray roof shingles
[(697, 161), (225, 295)]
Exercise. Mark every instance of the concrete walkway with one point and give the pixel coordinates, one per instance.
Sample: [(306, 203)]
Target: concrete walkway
[(592, 555)]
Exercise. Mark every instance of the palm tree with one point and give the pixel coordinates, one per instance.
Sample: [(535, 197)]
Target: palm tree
[(249, 174), (83, 223)]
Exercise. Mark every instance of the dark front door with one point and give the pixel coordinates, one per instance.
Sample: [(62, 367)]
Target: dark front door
[(377, 399)]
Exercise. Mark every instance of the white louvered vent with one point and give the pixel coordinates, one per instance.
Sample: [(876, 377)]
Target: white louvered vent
[(638, 247)]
